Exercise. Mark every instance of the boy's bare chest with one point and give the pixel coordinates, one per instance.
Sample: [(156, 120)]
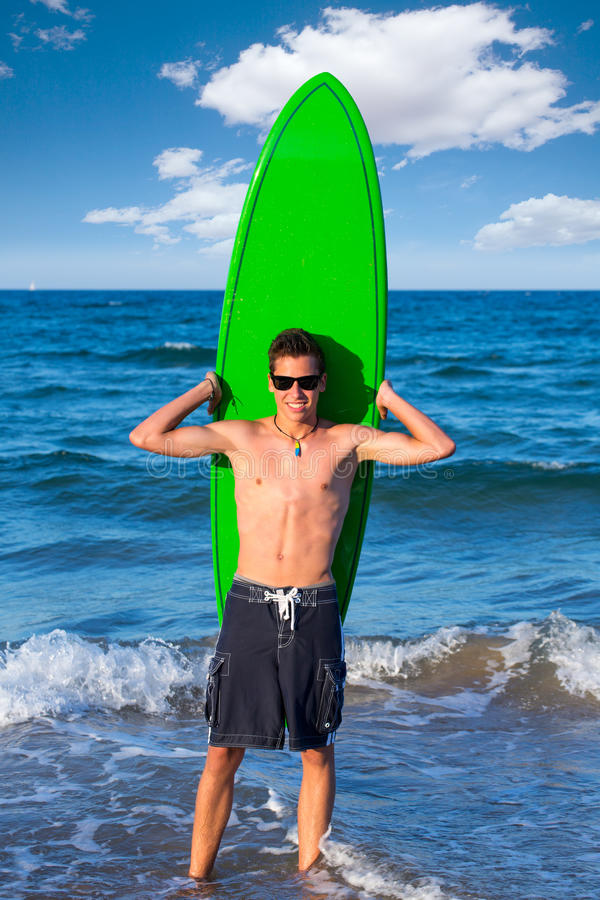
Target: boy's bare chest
[(317, 473)]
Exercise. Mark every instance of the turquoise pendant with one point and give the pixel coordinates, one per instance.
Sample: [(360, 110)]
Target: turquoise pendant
[(297, 451)]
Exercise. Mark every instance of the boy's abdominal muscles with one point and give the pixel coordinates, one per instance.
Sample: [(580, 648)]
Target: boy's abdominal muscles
[(288, 541)]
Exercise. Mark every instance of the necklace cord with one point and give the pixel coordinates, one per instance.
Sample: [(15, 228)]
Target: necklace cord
[(291, 436)]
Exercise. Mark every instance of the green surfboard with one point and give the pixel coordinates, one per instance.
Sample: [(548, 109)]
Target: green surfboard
[(309, 253)]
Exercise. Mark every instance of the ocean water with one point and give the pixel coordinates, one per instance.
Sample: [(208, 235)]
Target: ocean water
[(469, 756)]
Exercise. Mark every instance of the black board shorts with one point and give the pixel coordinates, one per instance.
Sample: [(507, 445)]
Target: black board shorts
[(279, 658)]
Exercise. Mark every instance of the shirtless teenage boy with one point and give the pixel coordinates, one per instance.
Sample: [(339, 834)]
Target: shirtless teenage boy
[(279, 656)]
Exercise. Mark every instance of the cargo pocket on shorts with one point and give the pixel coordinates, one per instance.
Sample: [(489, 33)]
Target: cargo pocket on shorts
[(216, 671), (333, 675)]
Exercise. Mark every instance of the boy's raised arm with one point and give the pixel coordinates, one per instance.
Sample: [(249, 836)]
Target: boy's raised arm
[(426, 442), (159, 432)]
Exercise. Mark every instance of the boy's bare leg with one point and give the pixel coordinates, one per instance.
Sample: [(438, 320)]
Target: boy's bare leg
[(315, 803), (214, 800)]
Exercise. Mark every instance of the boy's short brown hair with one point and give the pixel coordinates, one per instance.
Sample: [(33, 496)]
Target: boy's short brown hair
[(295, 342)]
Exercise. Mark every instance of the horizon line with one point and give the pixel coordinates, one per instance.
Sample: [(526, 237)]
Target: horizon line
[(540, 290)]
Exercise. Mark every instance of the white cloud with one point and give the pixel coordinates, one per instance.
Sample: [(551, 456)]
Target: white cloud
[(55, 5), (206, 204), (22, 28), (178, 162), (222, 225), (400, 165), (62, 6), (82, 15), (59, 38), (182, 74), (6, 71), (221, 248), (542, 221), (160, 233), (585, 26), (128, 215), (470, 181), (430, 79)]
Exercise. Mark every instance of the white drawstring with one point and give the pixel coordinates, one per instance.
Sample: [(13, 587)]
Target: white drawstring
[(284, 602)]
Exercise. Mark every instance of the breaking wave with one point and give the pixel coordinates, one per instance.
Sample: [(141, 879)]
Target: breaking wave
[(543, 664)]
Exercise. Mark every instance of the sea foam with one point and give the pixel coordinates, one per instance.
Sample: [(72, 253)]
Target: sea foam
[(384, 659), (179, 345), (59, 673), (573, 650), (376, 879)]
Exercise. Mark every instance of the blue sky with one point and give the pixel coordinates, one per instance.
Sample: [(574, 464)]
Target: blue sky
[(129, 133)]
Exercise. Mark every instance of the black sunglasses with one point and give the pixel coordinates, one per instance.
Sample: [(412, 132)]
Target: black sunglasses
[(284, 382)]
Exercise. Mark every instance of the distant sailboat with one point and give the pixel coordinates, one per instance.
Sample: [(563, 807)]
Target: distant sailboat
[(32, 286)]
